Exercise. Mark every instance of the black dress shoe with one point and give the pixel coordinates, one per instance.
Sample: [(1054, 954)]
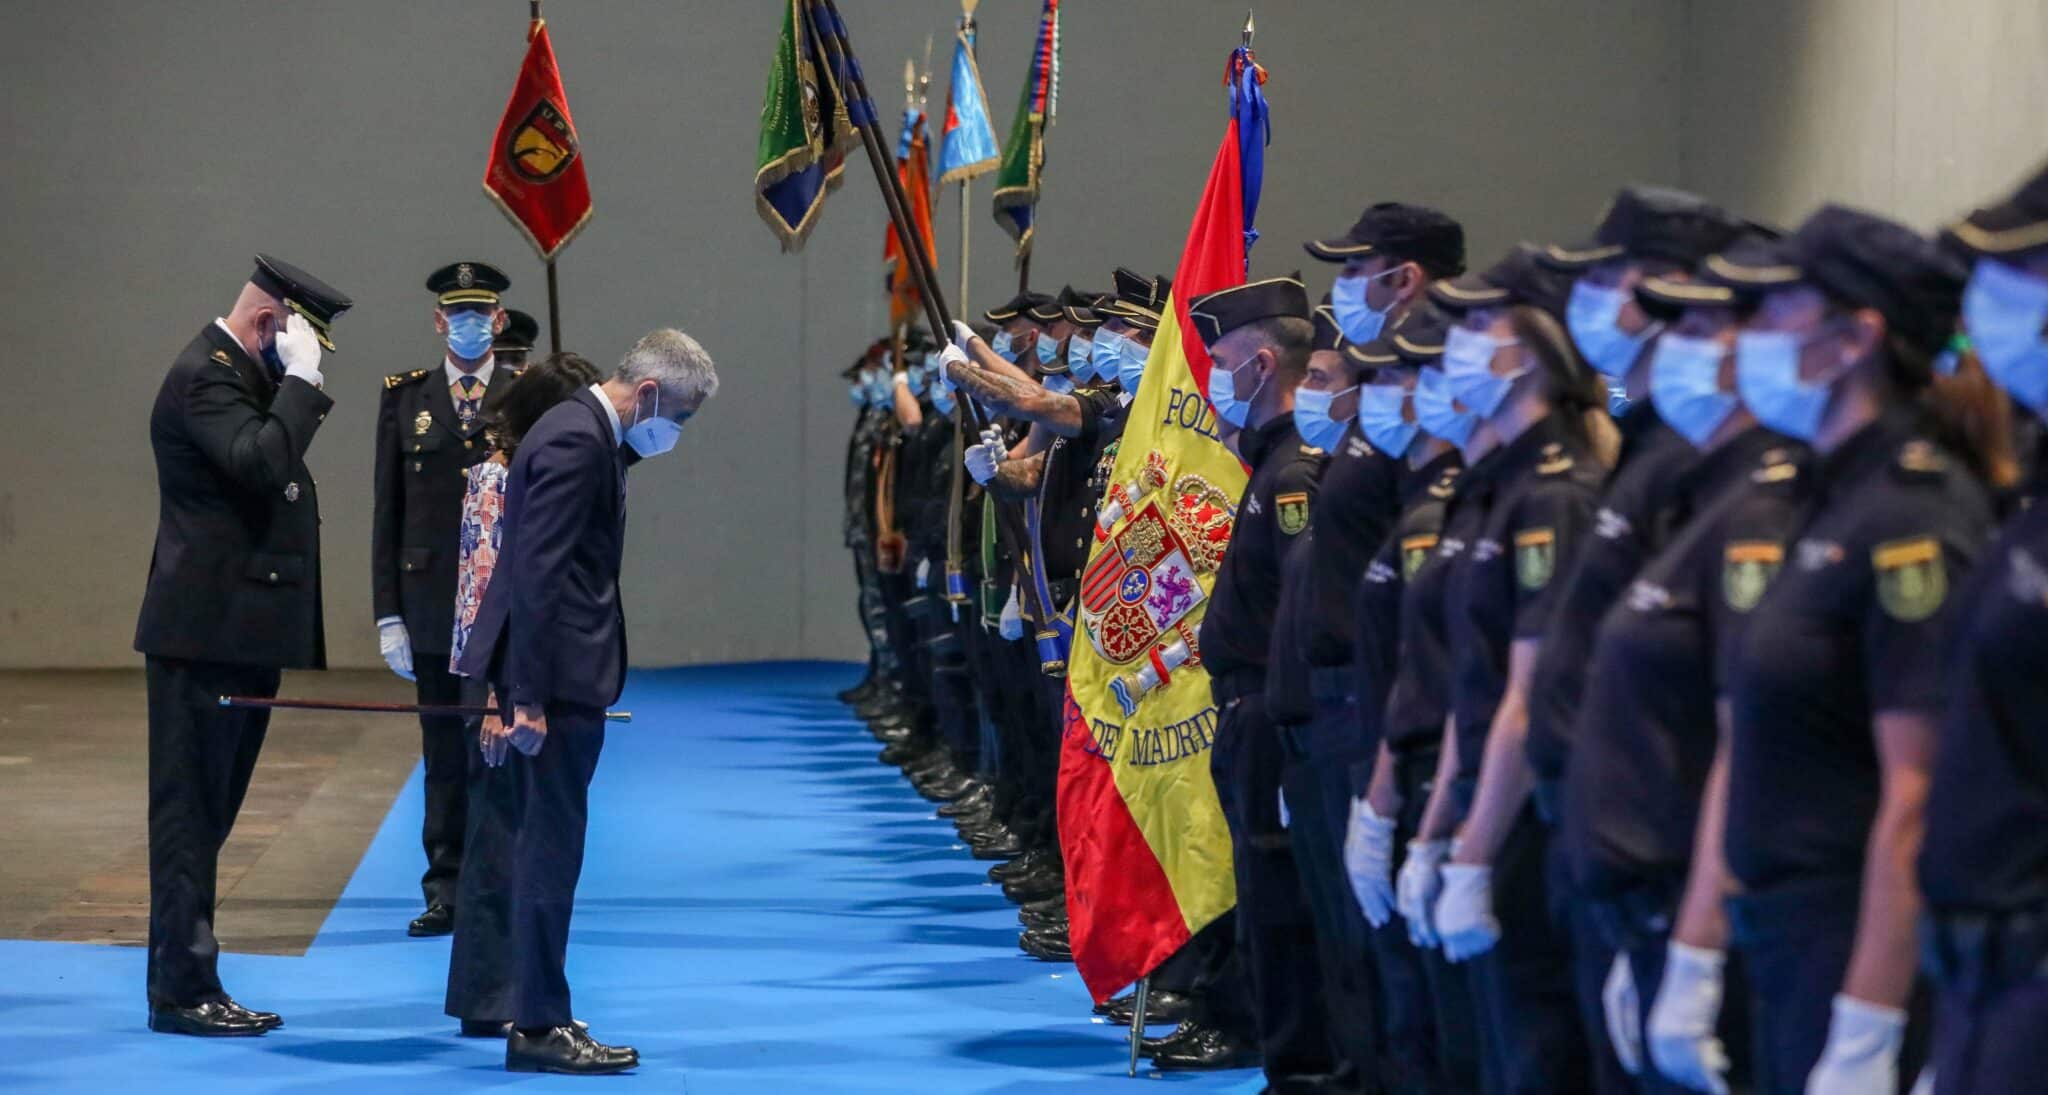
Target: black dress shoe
[(1030, 861), (439, 919), (889, 733), (1208, 1050), (1035, 887), (1055, 905), (568, 1049), (977, 799), (270, 1019), (1005, 845), (486, 1028), (902, 753), (213, 1019), (1046, 945), (1161, 1006), (1170, 1041), (1042, 921), (947, 787)]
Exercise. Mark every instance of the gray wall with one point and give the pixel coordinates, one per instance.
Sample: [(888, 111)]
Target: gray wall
[(156, 146)]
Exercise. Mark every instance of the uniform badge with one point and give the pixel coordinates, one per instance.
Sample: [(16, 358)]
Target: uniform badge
[(1554, 460), (1415, 552), (222, 357), (1747, 567), (421, 423), (291, 492), (465, 276), (1911, 581), (1535, 557), (543, 145), (1292, 511)]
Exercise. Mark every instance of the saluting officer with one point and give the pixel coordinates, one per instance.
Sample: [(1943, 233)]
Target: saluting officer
[(233, 598), (429, 432)]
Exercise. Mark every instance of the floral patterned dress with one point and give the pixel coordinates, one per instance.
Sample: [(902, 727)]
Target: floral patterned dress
[(483, 511)]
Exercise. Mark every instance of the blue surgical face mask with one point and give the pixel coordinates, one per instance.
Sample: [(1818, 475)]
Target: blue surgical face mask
[(469, 335), (653, 435), (858, 393), (1058, 384), (1081, 358), (1436, 411), (1312, 417), (1593, 315), (1048, 350), (2004, 309), (1685, 386), (942, 398), (1223, 394), (1005, 347), (269, 354), (1381, 420), (914, 376), (1468, 368), (878, 388), (1360, 322), (1767, 376), (1130, 363)]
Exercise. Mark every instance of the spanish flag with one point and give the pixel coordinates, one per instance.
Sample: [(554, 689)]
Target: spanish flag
[(1147, 853)]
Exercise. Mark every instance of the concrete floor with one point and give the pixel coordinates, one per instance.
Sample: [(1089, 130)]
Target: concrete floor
[(73, 802)]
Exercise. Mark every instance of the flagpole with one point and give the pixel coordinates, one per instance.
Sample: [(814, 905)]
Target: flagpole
[(554, 291), (956, 489)]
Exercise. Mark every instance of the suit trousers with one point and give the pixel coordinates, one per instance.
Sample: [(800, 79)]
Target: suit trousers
[(551, 809), (446, 741), (200, 758), (480, 961)]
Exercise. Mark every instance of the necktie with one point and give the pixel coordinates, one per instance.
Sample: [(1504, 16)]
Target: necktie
[(468, 400)]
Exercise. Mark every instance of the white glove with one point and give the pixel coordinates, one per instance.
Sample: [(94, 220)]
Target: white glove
[(1464, 911), (1681, 1032), (1283, 808), (299, 348), (1862, 1053), (395, 645), (1925, 1084), (924, 573), (1369, 860), (963, 334), (1011, 624), (951, 355), (1417, 887), (983, 459), (1623, 1009)]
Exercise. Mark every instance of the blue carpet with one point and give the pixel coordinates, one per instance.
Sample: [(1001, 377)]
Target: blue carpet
[(763, 909)]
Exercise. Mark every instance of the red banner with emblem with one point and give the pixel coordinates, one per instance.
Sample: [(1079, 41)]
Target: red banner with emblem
[(535, 173)]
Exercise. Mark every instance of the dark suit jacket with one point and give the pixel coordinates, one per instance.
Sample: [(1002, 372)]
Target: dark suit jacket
[(422, 452), (551, 628), (235, 575)]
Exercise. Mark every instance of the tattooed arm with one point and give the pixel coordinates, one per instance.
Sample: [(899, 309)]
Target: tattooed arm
[(1012, 398), (1017, 479)]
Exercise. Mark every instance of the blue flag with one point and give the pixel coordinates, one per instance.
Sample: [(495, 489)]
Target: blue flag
[(969, 146)]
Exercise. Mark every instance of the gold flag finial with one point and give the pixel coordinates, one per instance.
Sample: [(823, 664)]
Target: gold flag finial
[(967, 7), (1248, 29)]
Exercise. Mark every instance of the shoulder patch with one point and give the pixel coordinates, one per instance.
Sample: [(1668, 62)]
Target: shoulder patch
[(1291, 510), (1775, 473), (1747, 567), (398, 379), (1911, 580), (222, 357), (1918, 460), (1555, 461), (1535, 557)]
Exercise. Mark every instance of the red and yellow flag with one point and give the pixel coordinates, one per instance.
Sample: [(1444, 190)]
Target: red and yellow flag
[(914, 168), (535, 173), (1147, 854)]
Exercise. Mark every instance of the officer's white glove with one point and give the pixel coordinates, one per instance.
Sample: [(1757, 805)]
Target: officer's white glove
[(299, 348), (924, 573), (963, 334), (951, 355), (1282, 796), (1416, 889), (1369, 861), (1925, 1084), (1011, 624), (1464, 911), (983, 459), (395, 645), (1862, 1053), (1623, 1009), (1681, 1032)]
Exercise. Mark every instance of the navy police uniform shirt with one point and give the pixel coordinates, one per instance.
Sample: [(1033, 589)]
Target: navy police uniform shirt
[(1987, 813), (1632, 524), (1421, 697), (1360, 501), (1289, 699), (1853, 625), (1066, 504), (1237, 632), (1506, 587), (1647, 731), (1376, 605)]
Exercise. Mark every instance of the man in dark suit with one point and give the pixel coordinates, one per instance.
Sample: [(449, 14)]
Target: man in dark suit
[(233, 599), (430, 426), (551, 638)]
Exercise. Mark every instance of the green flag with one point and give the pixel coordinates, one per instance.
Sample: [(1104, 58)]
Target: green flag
[(801, 156), (1017, 179)]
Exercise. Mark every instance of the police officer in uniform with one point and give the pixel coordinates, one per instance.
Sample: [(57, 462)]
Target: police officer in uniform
[(1984, 868), (872, 697), (1835, 695), (1259, 336), (517, 340), (430, 426), (233, 598)]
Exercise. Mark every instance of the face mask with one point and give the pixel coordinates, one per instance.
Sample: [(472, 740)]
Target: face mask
[(654, 435), (1081, 358), (1059, 384), (1312, 417), (469, 335), (269, 354), (1048, 350), (1468, 369), (1592, 315), (858, 393), (1685, 386), (1360, 322), (878, 389), (915, 378), (1767, 376), (1436, 412), (1130, 364), (1223, 394), (1380, 418), (942, 399), (2003, 310), (1005, 347)]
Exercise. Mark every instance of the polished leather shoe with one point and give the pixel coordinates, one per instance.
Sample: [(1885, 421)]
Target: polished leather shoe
[(903, 753), (1207, 1050), (1055, 905), (947, 786), (978, 799), (439, 919), (568, 1049), (1032, 860), (1046, 945), (889, 733), (270, 1019), (1161, 1006), (1005, 845), (486, 1028), (1043, 921), (213, 1019), (858, 692), (1170, 1041), (1035, 887)]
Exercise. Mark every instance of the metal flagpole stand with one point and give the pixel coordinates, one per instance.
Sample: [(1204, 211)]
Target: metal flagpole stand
[(1138, 1020), (554, 293)]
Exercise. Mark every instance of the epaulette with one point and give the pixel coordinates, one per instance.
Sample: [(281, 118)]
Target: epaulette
[(1920, 461), (399, 379), (1555, 461), (1446, 483), (221, 356), (1313, 455)]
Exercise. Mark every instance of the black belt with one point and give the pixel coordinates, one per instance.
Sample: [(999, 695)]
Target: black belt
[(1982, 954), (1228, 688)]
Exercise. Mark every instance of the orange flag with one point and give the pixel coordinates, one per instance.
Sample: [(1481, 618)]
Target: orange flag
[(535, 172), (914, 168)]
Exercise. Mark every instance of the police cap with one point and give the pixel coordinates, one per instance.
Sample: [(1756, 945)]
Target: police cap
[(1329, 336), (1139, 300), (303, 293), (1225, 310), (1402, 232), (1015, 307), (467, 283), (520, 333), (1651, 222), (1518, 278), (1664, 296), (2014, 228)]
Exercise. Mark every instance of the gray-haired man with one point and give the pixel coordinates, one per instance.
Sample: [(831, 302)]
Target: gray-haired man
[(551, 637)]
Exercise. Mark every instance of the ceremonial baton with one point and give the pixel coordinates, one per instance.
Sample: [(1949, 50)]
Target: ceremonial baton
[(452, 709)]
